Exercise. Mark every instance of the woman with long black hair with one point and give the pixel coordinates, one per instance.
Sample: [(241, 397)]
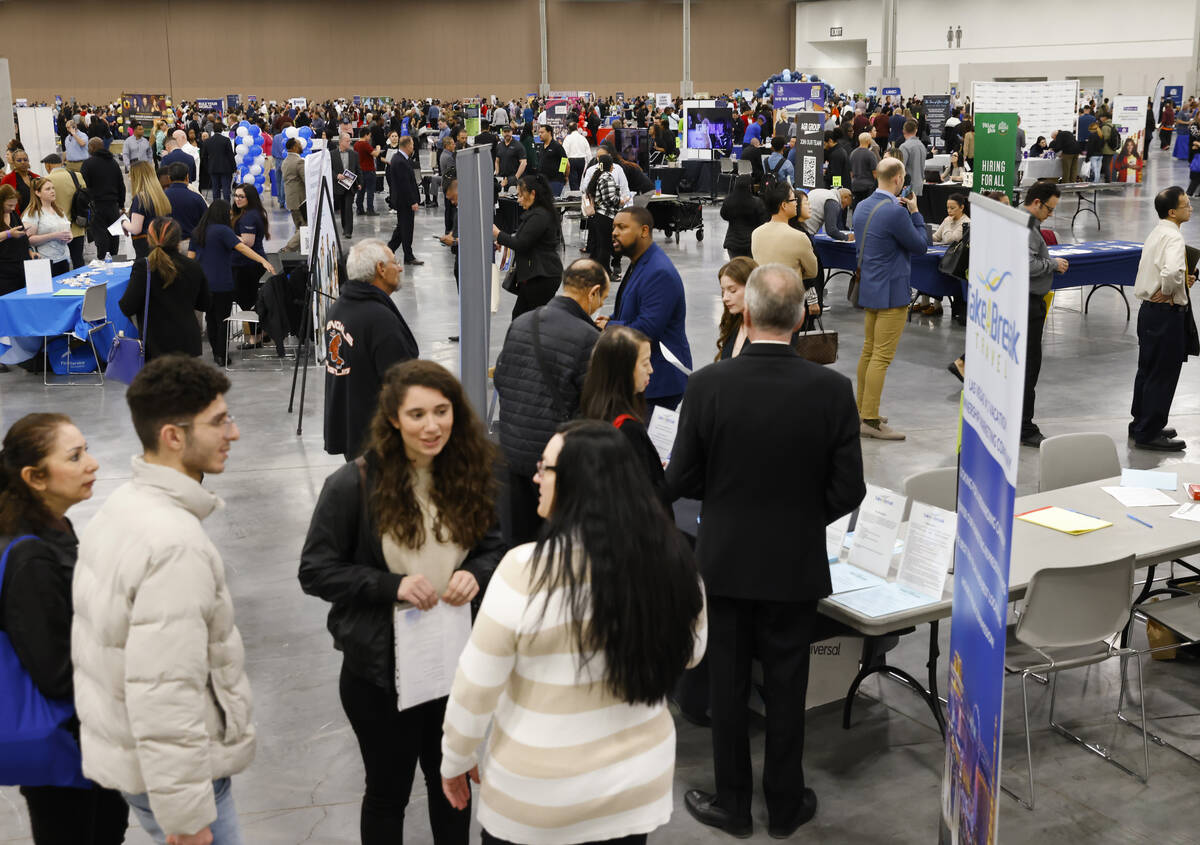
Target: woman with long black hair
[(45, 469), (412, 521), (578, 643), (744, 212), (249, 220), (178, 289), (537, 267)]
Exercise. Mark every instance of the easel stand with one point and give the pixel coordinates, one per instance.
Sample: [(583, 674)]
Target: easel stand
[(312, 299)]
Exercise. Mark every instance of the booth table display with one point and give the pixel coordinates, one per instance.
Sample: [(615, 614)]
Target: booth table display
[(25, 319), (1034, 169)]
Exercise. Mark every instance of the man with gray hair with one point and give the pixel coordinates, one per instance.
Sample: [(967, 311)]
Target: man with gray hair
[(364, 335), (770, 443)]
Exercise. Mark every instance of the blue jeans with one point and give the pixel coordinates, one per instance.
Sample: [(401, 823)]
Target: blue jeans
[(224, 830), (366, 191)]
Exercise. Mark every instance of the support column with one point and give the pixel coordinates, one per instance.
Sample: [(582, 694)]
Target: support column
[(7, 129), (1194, 70), (544, 85), (685, 86), (887, 46)]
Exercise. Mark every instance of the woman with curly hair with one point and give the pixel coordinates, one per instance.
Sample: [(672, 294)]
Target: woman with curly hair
[(412, 521)]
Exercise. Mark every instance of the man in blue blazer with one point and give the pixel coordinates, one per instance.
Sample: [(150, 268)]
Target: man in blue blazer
[(651, 300), (888, 233)]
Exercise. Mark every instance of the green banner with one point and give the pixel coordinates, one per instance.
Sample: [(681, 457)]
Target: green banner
[(995, 152)]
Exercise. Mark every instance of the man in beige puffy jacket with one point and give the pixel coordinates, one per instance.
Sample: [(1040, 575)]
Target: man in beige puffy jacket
[(160, 682)]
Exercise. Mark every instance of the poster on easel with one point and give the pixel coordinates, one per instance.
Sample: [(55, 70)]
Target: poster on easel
[(323, 256), (1129, 118)]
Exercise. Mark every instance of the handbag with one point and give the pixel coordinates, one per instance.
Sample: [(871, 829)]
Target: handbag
[(819, 346), (127, 355), (36, 748), (856, 278), (958, 256)]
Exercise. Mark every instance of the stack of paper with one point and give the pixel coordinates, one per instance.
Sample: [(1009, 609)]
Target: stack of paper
[(1140, 497), (1061, 519), (1190, 511), (1149, 478)]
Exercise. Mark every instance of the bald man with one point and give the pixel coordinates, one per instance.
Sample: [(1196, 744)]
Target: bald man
[(176, 153)]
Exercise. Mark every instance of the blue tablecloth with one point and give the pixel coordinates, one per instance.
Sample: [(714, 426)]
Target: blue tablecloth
[(25, 319), (1091, 263)]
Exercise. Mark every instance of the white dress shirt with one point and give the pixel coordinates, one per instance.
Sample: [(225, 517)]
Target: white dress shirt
[(1163, 266)]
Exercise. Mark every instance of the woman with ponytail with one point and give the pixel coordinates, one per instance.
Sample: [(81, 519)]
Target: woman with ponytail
[(177, 290), (45, 468), (579, 640)]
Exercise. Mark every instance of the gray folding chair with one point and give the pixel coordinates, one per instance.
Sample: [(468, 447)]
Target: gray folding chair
[(1048, 640), (1069, 459), (95, 313), (937, 487)]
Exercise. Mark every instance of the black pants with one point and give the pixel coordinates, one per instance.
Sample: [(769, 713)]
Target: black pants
[(779, 633), (1033, 362), (392, 742), (859, 196), (221, 186), (1146, 144), (1162, 348), (61, 815), (578, 165), (534, 293), (220, 305), (634, 839), (1193, 184), (402, 235), (75, 247), (600, 239), (1165, 136), (57, 268), (344, 204), (523, 521), (106, 243), (1105, 168), (245, 283)]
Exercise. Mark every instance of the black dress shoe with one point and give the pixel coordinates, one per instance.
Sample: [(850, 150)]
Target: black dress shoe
[(700, 806), (416, 262), (1034, 439), (1169, 432), (1162, 443), (808, 809)]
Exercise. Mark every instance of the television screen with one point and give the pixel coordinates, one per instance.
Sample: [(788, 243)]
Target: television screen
[(710, 129), (634, 145)]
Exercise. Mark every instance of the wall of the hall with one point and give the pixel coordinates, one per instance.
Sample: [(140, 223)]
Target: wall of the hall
[(417, 48), (1129, 45)]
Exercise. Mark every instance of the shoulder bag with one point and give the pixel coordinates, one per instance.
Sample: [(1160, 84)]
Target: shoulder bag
[(958, 256), (852, 289), (36, 748), (819, 346), (127, 355)]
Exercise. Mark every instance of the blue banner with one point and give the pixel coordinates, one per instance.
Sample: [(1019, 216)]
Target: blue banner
[(231, 103), (1174, 93), (997, 317), (211, 104), (793, 95)]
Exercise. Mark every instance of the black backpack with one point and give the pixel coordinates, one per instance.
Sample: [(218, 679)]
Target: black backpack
[(1113, 136), (81, 204), (771, 174)]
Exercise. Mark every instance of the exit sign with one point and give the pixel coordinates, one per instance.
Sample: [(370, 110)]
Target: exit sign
[(835, 32)]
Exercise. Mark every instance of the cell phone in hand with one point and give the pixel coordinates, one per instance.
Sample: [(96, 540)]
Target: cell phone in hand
[(904, 193)]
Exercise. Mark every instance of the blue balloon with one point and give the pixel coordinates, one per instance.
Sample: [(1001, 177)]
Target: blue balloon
[(254, 130), (255, 151), (245, 123), (305, 131)]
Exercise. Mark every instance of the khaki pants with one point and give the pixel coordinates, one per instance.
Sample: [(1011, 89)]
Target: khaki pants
[(293, 243), (1070, 168), (882, 329), (74, 165)]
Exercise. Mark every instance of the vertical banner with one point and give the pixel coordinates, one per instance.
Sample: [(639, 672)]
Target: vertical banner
[(323, 239), (810, 150), (996, 153), (36, 125), (1129, 117), (231, 103), (997, 315), (937, 112)]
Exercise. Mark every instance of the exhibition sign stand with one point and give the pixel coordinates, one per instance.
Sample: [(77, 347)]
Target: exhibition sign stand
[(937, 112), (475, 206), (810, 150), (992, 394), (996, 153)]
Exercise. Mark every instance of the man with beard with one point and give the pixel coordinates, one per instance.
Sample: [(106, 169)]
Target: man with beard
[(651, 300)]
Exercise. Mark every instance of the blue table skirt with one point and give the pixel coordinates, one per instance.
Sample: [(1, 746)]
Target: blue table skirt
[(1091, 263), (1180, 149), (26, 319)]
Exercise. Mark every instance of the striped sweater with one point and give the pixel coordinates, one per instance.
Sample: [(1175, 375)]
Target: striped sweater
[(566, 761)]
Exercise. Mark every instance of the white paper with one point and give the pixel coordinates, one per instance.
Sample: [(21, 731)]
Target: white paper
[(835, 538), (428, 645), (1190, 511), (1149, 478), (37, 276), (305, 241), (116, 229), (846, 577), (928, 550), (1139, 497), (875, 532), (883, 600), (664, 425)]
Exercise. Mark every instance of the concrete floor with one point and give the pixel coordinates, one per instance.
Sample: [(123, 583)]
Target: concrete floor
[(878, 782)]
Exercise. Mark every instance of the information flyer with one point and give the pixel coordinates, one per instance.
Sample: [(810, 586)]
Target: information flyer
[(937, 112)]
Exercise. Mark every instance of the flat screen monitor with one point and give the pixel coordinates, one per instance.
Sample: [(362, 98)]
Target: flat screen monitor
[(634, 145), (710, 129)]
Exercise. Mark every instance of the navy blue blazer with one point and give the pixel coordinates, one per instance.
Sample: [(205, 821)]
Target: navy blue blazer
[(651, 300)]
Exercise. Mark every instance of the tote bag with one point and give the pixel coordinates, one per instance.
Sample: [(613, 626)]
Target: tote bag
[(127, 355)]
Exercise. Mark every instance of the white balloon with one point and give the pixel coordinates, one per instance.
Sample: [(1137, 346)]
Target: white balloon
[(242, 131), (241, 149), (238, 158), (261, 161), (248, 179), (291, 132), (255, 169)]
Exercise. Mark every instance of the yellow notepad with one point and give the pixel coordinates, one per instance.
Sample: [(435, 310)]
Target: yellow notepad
[(1061, 519)]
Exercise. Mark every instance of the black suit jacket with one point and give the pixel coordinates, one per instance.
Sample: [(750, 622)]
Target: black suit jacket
[(341, 163), (402, 182), (770, 443), (218, 154)]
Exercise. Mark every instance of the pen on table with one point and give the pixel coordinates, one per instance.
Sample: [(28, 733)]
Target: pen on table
[(1142, 521)]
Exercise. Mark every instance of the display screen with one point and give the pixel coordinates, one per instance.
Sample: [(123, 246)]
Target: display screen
[(710, 129), (634, 145)]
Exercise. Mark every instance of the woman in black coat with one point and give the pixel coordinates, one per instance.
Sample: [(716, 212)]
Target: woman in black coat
[(36, 608), (537, 267), (744, 212), (178, 289)]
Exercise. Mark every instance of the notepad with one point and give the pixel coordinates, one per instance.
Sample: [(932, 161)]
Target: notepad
[(1140, 497), (1061, 519), (1149, 478), (71, 292)]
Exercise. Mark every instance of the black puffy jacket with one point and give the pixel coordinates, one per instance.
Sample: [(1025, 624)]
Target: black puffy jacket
[(342, 563), (528, 417)]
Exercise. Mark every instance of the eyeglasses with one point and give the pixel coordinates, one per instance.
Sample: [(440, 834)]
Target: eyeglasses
[(543, 467), (225, 422), (790, 199)]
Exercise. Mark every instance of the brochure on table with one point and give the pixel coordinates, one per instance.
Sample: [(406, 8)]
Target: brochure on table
[(1151, 479), (875, 532)]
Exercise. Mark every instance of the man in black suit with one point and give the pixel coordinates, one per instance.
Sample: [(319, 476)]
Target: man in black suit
[(218, 153), (343, 158), (770, 443), (405, 197)]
